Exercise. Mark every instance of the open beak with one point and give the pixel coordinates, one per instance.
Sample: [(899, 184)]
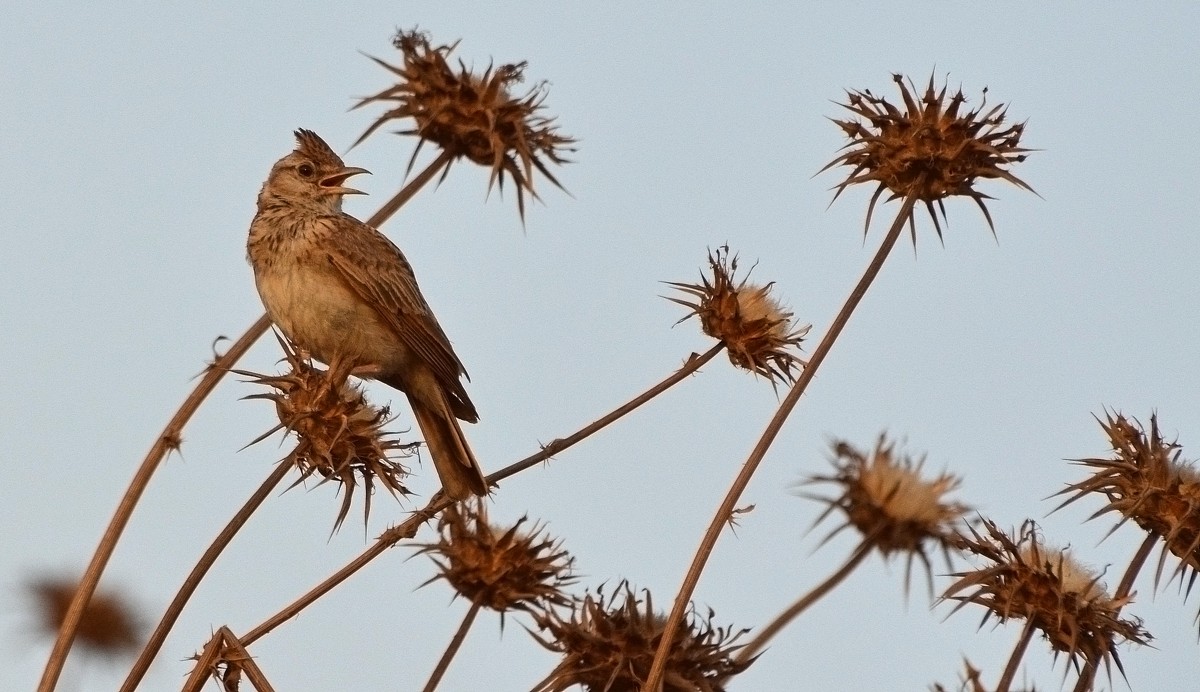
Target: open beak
[(332, 185)]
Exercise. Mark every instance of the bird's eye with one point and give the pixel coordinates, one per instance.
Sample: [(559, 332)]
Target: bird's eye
[(305, 170)]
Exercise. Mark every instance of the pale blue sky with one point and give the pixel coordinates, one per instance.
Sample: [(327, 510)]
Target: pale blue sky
[(135, 136)]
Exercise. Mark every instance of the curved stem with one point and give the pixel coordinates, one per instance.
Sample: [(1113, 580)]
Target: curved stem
[(785, 618), (142, 664), (167, 440), (1135, 566), (408, 191), (694, 363), (709, 541), (408, 528), (1014, 661), (451, 649)]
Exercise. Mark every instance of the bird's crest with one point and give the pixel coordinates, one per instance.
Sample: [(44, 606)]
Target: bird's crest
[(311, 145)]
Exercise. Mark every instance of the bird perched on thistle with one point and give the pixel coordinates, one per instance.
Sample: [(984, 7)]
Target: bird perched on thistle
[(340, 290)]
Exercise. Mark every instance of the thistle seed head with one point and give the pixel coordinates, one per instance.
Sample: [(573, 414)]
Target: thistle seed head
[(1023, 578), (609, 646), (110, 626), (471, 115), (884, 497), (499, 568), (339, 435), (757, 331), (930, 150), (1146, 481)]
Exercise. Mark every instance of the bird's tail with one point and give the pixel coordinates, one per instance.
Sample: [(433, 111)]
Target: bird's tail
[(452, 457)]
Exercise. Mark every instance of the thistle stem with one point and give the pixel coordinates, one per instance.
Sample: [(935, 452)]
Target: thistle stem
[(709, 541), (142, 664), (1014, 661), (819, 591), (1135, 565), (452, 648), (168, 440), (408, 528)]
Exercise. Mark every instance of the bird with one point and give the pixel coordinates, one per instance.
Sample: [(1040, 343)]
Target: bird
[(342, 291)]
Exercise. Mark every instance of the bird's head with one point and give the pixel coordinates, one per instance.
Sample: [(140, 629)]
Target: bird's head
[(311, 175)]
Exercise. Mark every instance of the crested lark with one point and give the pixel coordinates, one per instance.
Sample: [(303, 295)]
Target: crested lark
[(341, 290)]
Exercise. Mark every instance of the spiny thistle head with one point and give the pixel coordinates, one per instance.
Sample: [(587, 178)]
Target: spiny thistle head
[(499, 568), (756, 330), (1146, 481), (930, 150), (609, 646), (109, 628), (885, 497), (472, 115), (1023, 578), (339, 435)]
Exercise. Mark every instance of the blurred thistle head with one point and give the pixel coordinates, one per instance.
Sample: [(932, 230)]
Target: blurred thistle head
[(339, 435), (499, 568), (886, 499), (1146, 481), (609, 646), (930, 150), (1026, 579), (110, 627), (757, 331), (471, 115)]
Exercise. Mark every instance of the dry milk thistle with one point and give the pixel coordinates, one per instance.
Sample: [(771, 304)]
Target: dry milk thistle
[(471, 115), (500, 568), (1023, 578), (930, 150), (884, 496), (110, 627), (339, 435), (608, 643), (1146, 481), (758, 332)]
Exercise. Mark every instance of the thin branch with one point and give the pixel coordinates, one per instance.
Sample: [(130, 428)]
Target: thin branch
[(657, 670), (408, 528), (452, 649), (785, 618), (167, 440), (206, 663), (407, 192), (142, 664), (1135, 565), (1014, 660)]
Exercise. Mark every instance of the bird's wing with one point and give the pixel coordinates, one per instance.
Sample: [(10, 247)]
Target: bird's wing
[(376, 270)]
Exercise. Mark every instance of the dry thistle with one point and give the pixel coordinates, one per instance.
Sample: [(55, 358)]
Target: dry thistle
[(471, 115), (501, 569), (339, 435), (1146, 481), (756, 330), (885, 498), (929, 151), (608, 647), (110, 627), (1045, 586)]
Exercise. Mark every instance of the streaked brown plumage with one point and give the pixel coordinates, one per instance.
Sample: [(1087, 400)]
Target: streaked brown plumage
[(340, 289)]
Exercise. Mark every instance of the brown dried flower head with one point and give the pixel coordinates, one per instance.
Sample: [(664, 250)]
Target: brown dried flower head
[(1146, 481), (471, 115), (499, 568), (1024, 578), (885, 498), (757, 331), (609, 647), (110, 626), (931, 150), (340, 436)]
